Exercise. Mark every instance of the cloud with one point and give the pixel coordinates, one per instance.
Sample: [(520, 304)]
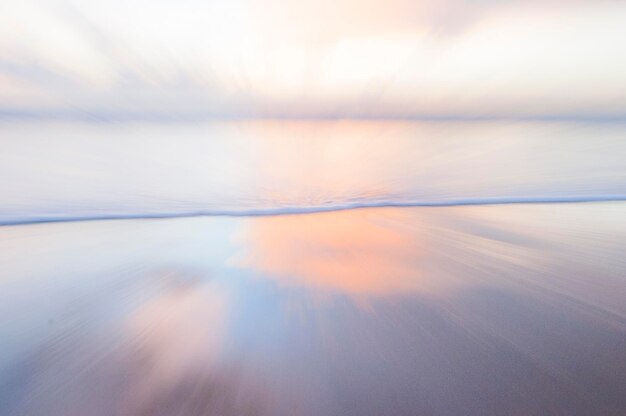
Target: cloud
[(363, 59)]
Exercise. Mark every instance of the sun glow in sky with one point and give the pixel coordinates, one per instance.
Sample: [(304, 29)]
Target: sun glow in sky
[(343, 58)]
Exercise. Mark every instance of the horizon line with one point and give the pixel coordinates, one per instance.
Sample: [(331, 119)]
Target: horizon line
[(103, 116)]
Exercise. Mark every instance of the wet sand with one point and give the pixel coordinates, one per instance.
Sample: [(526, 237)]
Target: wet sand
[(477, 310)]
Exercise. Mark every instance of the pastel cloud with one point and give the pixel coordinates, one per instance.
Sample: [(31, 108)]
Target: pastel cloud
[(348, 58)]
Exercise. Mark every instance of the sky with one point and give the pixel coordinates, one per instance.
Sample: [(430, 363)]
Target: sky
[(313, 59)]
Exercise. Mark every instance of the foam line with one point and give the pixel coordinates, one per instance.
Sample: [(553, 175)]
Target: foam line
[(296, 210)]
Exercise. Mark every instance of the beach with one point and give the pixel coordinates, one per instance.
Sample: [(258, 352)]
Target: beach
[(508, 309)]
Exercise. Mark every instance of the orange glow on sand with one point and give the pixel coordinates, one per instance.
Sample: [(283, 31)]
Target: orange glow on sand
[(348, 251)]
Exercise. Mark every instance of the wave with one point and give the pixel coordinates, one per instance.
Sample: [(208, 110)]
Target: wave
[(78, 172), (299, 210)]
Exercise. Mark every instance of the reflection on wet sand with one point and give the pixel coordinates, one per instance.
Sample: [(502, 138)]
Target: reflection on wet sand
[(354, 252), (457, 311), (162, 358), (394, 251), (172, 337)]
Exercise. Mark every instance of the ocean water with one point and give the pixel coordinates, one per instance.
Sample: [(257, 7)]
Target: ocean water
[(348, 268), (62, 171)]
